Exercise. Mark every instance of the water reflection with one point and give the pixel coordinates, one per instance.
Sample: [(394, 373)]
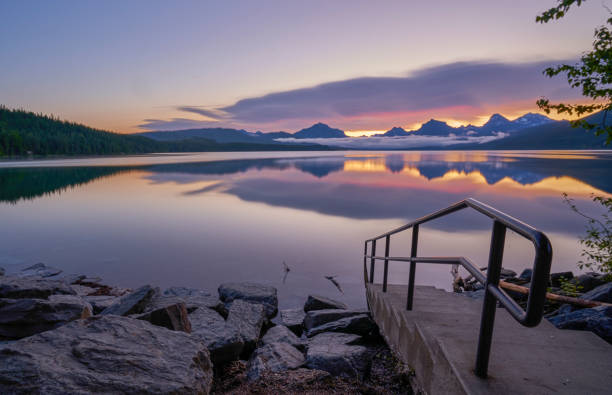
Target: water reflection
[(200, 223)]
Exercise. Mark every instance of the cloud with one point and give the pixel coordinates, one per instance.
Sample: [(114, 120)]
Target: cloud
[(402, 142), (455, 90)]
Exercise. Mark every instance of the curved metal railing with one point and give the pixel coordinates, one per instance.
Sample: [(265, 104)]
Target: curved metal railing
[(493, 292)]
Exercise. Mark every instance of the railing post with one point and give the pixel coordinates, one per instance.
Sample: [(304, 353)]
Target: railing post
[(413, 254), (373, 252), (365, 265), (487, 319), (386, 269)]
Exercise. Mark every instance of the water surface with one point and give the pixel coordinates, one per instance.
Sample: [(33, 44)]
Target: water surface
[(202, 219)]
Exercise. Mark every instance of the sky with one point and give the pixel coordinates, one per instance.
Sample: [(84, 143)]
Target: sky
[(284, 65)]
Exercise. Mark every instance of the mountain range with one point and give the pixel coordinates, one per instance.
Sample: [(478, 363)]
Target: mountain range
[(495, 125)]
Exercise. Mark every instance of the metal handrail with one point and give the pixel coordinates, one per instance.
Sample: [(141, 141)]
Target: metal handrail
[(493, 293)]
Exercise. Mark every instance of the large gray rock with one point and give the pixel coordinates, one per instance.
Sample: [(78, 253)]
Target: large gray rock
[(192, 297), (133, 303), (83, 290), (597, 320), (316, 302), (32, 287), (25, 317), (339, 359), (173, 317), (282, 334), (275, 357), (252, 292), (334, 338), (588, 281), (223, 341), (358, 324), (40, 270), (293, 319), (100, 302), (602, 293), (106, 354), (320, 317), (248, 319)]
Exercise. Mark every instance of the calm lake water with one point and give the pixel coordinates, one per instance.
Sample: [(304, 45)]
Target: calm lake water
[(199, 220)]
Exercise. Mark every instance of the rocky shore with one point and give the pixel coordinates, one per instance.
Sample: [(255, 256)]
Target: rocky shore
[(584, 287), (75, 334)]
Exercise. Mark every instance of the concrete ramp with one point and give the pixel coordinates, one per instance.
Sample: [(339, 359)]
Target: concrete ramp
[(438, 339)]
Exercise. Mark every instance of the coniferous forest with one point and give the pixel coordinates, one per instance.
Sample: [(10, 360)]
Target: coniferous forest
[(26, 133)]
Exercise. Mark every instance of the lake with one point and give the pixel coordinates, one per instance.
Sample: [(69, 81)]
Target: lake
[(198, 220)]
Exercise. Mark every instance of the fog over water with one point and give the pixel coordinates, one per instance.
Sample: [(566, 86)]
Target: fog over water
[(202, 219)]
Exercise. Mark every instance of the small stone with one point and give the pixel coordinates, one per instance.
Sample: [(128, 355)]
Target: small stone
[(334, 338), (193, 299), (82, 290), (106, 354), (294, 320), (32, 287), (526, 274), (588, 281), (40, 270), (100, 302), (282, 334), (133, 303), (557, 278), (507, 273), (320, 317), (26, 317), (602, 293), (316, 302), (173, 317), (359, 324), (274, 357), (223, 341), (251, 292), (339, 359), (248, 319)]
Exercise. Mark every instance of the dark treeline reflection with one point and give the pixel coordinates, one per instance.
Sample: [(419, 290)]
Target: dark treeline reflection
[(30, 183), (590, 168)]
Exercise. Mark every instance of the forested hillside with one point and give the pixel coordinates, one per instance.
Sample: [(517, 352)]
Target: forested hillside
[(26, 133)]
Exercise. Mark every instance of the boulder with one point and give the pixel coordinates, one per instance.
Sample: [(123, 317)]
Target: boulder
[(82, 290), (32, 287), (251, 292), (192, 297), (526, 274), (588, 281), (602, 293), (293, 319), (40, 270), (334, 338), (320, 317), (100, 302), (316, 302), (507, 273), (25, 317), (248, 319), (133, 303), (223, 341), (106, 354), (358, 324), (282, 334), (173, 317), (275, 357), (339, 359), (557, 278), (597, 319)]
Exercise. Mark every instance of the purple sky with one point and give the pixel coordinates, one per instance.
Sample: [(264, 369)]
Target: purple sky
[(275, 65)]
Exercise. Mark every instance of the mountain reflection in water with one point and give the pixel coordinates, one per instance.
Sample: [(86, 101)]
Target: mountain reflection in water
[(192, 223)]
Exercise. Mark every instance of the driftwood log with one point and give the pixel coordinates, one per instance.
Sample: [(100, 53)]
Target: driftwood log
[(554, 297)]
